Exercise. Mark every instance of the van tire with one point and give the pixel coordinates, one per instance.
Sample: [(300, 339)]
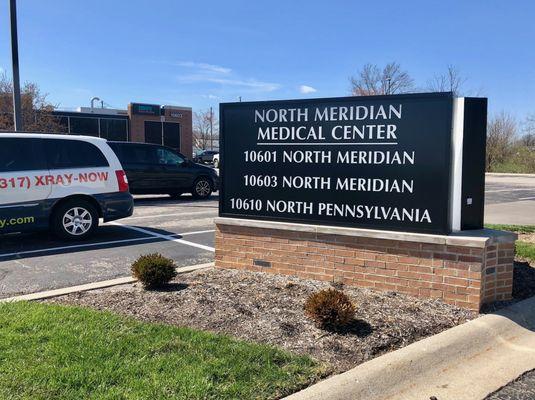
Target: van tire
[(75, 219), (216, 163), (202, 188)]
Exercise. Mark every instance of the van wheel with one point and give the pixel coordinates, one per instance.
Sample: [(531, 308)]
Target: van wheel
[(202, 188), (75, 220), (216, 163)]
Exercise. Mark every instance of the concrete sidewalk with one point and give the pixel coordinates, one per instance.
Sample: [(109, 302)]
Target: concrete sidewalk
[(467, 362)]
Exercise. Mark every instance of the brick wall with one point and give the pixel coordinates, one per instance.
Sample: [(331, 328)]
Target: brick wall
[(184, 118), (464, 275)]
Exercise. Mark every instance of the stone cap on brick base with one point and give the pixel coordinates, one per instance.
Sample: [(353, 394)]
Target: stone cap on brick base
[(480, 238)]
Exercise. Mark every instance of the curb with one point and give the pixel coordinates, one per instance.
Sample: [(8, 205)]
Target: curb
[(511, 174), (92, 286), (466, 362)]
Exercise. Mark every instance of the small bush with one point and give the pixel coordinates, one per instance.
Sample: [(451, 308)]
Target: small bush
[(330, 309), (153, 270)]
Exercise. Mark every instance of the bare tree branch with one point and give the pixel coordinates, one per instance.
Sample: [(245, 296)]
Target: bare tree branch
[(202, 122), (372, 80), (36, 110), (501, 134), (451, 81)]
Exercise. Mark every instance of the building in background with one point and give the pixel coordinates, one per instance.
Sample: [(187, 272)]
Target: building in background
[(146, 123)]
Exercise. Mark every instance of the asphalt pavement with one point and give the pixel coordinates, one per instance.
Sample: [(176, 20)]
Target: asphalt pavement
[(510, 199), (180, 229), (522, 388)]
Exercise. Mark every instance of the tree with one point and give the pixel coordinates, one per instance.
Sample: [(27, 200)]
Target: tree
[(372, 80), (528, 139), (205, 129), (36, 110), (501, 133), (451, 81)]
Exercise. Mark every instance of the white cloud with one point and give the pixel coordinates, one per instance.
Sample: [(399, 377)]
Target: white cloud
[(211, 73), (305, 89), (204, 67), (247, 83)]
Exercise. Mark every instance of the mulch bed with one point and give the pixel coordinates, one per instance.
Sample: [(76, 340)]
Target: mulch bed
[(269, 309)]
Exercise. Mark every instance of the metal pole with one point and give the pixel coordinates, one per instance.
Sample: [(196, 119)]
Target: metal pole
[(17, 115)]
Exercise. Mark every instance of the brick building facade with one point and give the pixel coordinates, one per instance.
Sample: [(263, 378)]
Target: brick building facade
[(146, 123)]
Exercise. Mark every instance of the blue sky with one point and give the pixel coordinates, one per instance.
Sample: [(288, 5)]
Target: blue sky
[(200, 53)]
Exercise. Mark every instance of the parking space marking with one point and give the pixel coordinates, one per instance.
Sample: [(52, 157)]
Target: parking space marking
[(166, 237), (51, 249), (193, 233), (510, 190), (171, 215), (74, 246), (527, 198)]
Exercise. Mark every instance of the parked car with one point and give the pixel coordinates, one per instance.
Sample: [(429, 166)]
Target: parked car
[(216, 160), (62, 183), (205, 156), (155, 169)]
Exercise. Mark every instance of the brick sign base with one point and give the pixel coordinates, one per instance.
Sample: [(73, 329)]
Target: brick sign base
[(468, 269)]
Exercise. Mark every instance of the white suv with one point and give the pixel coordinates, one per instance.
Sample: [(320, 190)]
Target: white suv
[(65, 183)]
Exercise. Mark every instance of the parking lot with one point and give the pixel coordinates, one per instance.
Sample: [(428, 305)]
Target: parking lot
[(510, 199), (180, 229)]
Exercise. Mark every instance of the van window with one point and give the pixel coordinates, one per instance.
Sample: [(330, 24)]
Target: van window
[(63, 154), (136, 154), (21, 154), (167, 157)]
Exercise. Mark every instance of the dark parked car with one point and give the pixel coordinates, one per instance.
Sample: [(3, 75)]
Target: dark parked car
[(205, 156), (153, 169)]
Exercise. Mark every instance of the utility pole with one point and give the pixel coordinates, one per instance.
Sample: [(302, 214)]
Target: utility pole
[(211, 128), (388, 81), (17, 115)]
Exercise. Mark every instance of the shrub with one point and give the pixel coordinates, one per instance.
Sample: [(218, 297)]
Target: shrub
[(153, 270), (330, 309)]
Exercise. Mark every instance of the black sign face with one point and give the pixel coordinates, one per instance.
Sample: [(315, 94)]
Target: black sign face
[(146, 109), (380, 162)]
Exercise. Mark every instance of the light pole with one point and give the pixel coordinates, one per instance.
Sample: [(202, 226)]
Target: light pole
[(17, 115)]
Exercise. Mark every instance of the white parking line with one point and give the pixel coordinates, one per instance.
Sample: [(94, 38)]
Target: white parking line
[(74, 246), (172, 215), (193, 233), (526, 189), (527, 198), (81, 246), (166, 237)]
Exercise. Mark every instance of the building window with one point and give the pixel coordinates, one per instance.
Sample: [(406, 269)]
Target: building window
[(114, 129), (171, 135), (153, 132), (84, 126)]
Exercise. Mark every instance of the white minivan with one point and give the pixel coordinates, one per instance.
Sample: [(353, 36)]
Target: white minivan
[(58, 182)]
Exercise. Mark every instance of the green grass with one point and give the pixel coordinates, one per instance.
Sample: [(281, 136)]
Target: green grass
[(513, 167), (513, 228), (522, 249), (58, 352), (525, 250)]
